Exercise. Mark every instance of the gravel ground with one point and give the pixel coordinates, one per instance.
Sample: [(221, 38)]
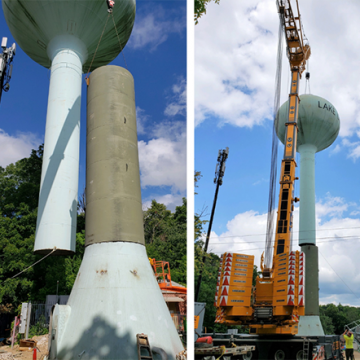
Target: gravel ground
[(6, 353)]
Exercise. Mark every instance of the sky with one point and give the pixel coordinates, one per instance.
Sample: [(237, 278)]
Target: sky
[(235, 67), (156, 57)]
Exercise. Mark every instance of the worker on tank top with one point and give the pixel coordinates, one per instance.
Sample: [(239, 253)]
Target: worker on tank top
[(349, 339)]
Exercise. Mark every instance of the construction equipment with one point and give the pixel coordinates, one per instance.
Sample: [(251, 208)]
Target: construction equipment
[(218, 180), (163, 276), (277, 301), (6, 59)]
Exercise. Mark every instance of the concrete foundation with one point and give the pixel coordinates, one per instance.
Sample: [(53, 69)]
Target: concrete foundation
[(115, 297), (310, 326)]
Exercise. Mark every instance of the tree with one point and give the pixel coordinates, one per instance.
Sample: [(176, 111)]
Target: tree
[(337, 316), (156, 220), (19, 193), (327, 324), (200, 8), (165, 237)]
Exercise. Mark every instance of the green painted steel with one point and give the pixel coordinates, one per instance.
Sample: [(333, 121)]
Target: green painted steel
[(113, 196), (35, 23), (311, 279), (318, 122), (307, 218)]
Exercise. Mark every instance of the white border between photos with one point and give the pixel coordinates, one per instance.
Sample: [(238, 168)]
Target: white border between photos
[(190, 177)]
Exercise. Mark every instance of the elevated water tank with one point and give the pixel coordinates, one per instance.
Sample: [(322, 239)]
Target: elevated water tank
[(318, 122)]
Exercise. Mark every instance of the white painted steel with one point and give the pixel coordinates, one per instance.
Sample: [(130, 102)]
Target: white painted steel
[(307, 225), (310, 326), (115, 297), (56, 221)]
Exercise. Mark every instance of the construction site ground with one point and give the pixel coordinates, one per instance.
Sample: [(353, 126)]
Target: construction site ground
[(6, 353)]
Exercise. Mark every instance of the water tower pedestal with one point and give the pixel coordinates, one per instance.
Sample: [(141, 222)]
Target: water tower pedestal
[(60, 169), (318, 127), (309, 325)]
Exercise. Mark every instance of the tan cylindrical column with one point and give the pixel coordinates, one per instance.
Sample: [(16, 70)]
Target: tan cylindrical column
[(113, 196)]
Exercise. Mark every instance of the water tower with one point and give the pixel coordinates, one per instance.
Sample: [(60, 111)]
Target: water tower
[(115, 297), (63, 35), (318, 127)]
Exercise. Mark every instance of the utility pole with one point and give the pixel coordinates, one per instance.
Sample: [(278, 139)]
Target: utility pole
[(218, 180), (6, 59)]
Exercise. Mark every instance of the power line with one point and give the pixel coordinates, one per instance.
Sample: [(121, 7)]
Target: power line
[(298, 231), (263, 248), (338, 238), (338, 275)]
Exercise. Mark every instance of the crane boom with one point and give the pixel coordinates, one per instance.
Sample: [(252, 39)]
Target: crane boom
[(297, 50), (298, 53)]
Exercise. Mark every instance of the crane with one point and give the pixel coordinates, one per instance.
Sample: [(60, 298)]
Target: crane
[(274, 305), (6, 59)]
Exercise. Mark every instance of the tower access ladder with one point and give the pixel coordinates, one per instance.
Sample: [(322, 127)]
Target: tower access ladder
[(144, 351), (306, 345)]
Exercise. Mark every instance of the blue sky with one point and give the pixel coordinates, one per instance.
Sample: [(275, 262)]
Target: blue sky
[(156, 57), (235, 66)]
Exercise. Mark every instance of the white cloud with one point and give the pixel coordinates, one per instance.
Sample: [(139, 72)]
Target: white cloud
[(19, 146), (163, 158), (177, 106), (141, 119), (335, 150), (169, 200), (235, 63), (153, 29), (337, 240), (354, 148), (330, 206)]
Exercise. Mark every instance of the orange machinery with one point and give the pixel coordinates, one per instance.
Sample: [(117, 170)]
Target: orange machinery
[(163, 276)]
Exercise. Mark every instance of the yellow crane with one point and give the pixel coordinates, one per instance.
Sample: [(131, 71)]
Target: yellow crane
[(277, 301)]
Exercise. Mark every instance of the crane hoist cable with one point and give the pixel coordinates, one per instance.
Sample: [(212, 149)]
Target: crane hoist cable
[(274, 151), (110, 12), (87, 75), (117, 34)]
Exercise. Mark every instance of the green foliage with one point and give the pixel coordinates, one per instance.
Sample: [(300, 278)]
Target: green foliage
[(208, 287), (200, 8), (256, 273), (334, 318), (39, 328), (165, 237), (19, 193), (327, 324)]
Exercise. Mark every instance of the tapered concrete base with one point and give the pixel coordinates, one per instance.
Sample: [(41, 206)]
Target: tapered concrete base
[(115, 296), (310, 326)]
